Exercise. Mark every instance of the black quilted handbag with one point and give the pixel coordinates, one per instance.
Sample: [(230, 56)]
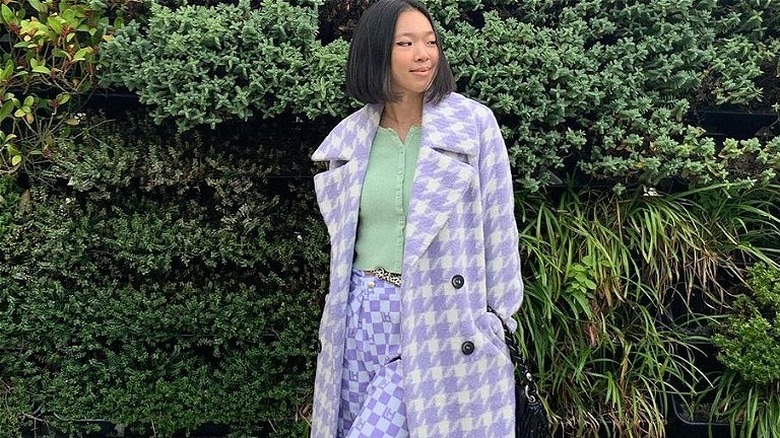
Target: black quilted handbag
[(530, 416)]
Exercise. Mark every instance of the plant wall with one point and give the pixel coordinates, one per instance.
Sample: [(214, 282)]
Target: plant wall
[(170, 283), (165, 268), (614, 87)]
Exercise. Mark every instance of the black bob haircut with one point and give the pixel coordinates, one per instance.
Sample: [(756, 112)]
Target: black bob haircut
[(368, 67)]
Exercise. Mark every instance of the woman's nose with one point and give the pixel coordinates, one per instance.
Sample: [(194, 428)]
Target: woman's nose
[(421, 53)]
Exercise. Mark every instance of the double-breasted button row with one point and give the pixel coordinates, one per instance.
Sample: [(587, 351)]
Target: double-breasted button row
[(457, 282)]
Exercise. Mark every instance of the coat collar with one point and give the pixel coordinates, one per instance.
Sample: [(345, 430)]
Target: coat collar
[(352, 138)]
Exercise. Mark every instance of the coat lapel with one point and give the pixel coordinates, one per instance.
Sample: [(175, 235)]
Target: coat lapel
[(338, 189), (444, 173)]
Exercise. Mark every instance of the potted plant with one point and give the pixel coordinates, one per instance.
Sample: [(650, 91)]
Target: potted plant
[(747, 393)]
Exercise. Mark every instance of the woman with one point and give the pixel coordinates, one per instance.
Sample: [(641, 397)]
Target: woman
[(418, 203)]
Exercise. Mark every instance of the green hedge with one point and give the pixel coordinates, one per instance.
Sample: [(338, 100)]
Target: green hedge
[(205, 65), (164, 276), (168, 284), (612, 86)]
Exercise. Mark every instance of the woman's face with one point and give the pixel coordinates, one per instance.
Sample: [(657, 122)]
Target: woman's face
[(415, 54)]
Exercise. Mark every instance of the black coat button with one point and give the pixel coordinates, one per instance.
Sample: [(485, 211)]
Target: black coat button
[(457, 281), (467, 348)]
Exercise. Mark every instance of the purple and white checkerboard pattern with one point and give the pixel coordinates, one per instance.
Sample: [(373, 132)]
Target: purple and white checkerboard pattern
[(372, 390)]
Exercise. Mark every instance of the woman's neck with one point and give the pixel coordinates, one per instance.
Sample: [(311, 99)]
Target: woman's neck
[(402, 115)]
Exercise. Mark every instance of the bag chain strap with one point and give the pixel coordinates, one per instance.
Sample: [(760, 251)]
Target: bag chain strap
[(526, 379)]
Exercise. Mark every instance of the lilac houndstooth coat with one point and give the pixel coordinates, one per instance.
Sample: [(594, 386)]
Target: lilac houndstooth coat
[(461, 255)]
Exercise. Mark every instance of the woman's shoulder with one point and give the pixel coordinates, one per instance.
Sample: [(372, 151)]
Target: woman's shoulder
[(461, 107), (365, 115), (457, 101), (356, 125)]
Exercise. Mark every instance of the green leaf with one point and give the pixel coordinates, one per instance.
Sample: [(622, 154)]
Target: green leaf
[(59, 53), (6, 109), (81, 53), (63, 98), (8, 14), (15, 160), (7, 71), (41, 69), (36, 5), (28, 101), (70, 17), (54, 23)]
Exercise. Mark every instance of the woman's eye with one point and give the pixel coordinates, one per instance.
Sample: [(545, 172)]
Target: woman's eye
[(431, 43), (404, 43)]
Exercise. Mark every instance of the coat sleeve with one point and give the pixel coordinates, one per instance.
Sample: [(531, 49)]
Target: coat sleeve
[(502, 255)]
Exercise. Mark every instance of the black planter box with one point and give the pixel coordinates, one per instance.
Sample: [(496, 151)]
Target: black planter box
[(680, 426), (737, 124)]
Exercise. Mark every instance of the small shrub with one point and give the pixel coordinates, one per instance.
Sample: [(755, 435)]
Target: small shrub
[(749, 338), (748, 392), (205, 65), (49, 62)]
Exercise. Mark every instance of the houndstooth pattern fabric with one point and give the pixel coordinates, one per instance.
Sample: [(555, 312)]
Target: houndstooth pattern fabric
[(461, 255), (372, 403), (338, 195)]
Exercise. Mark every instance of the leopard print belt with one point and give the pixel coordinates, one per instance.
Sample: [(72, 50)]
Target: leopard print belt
[(382, 274)]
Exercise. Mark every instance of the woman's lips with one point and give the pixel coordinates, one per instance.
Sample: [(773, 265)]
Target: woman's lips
[(421, 71)]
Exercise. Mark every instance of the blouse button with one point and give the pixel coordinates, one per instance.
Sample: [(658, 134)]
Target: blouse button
[(467, 348)]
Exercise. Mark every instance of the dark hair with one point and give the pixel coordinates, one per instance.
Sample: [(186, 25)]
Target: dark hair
[(368, 68)]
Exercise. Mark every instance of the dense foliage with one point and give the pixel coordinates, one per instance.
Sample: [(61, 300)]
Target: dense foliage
[(172, 282), (616, 87), (749, 339), (48, 62), (747, 394), (205, 65)]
